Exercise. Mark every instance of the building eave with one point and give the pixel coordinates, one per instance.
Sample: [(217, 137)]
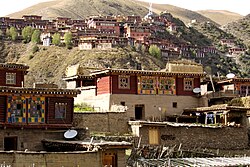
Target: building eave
[(39, 91), (15, 66), (145, 72)]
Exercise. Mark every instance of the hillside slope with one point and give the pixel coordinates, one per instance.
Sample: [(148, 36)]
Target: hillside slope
[(48, 65), (78, 9), (221, 17), (240, 29)]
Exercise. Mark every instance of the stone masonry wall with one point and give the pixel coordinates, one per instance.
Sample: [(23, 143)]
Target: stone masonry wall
[(200, 137), (113, 122), (30, 138), (30, 159)]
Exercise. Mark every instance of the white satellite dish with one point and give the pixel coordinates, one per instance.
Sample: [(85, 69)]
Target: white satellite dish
[(70, 134), (197, 90), (230, 75)]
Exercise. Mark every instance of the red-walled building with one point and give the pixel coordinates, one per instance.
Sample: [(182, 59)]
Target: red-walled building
[(104, 23), (145, 94), (26, 114), (138, 32)]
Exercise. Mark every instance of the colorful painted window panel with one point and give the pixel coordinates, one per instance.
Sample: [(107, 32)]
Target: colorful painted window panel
[(124, 82), (167, 85), (16, 109), (147, 85), (36, 110), (60, 110), (188, 84)]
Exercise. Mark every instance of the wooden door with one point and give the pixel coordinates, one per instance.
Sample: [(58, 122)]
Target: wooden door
[(109, 159)]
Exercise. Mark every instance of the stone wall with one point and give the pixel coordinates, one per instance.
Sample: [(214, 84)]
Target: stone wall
[(30, 138), (200, 137), (73, 159), (57, 159), (113, 122)]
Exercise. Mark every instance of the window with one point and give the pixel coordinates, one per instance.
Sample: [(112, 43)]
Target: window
[(188, 84), (124, 82), (245, 90), (166, 84), (174, 104), (35, 109), (148, 83), (60, 110), (16, 107), (11, 78)]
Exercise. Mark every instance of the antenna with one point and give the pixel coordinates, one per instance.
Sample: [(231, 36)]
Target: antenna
[(197, 90), (70, 134), (230, 76)]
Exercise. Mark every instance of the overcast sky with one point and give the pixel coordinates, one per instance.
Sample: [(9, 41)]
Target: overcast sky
[(239, 6)]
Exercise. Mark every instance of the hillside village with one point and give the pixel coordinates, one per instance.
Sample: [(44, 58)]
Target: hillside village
[(174, 39), (181, 114), (105, 32)]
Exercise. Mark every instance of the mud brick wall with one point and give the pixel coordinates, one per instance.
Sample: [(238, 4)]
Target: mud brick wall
[(57, 159), (200, 137), (30, 138), (113, 122), (21, 159)]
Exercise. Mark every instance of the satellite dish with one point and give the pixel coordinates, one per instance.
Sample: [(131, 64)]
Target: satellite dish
[(230, 75), (70, 134), (197, 90)]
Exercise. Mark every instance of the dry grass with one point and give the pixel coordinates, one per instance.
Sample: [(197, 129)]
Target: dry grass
[(77, 9), (49, 63), (221, 17)]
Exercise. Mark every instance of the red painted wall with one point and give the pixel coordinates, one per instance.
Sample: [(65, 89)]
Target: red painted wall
[(115, 89), (180, 87), (19, 77), (103, 85), (2, 109)]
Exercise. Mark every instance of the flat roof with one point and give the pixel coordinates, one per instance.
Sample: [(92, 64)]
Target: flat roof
[(173, 124), (228, 81), (89, 143), (223, 107), (216, 161)]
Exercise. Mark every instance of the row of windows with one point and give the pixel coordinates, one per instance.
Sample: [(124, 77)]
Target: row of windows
[(133, 35), (32, 110), (150, 83), (106, 24), (36, 110)]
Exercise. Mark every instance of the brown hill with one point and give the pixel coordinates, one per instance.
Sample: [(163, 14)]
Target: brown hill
[(221, 17), (82, 8), (48, 65), (240, 29)]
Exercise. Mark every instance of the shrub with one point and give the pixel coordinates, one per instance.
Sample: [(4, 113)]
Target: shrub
[(83, 107), (27, 34), (56, 39), (31, 57), (155, 51), (35, 49)]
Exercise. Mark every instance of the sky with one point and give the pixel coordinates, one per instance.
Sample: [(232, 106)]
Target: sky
[(238, 6)]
